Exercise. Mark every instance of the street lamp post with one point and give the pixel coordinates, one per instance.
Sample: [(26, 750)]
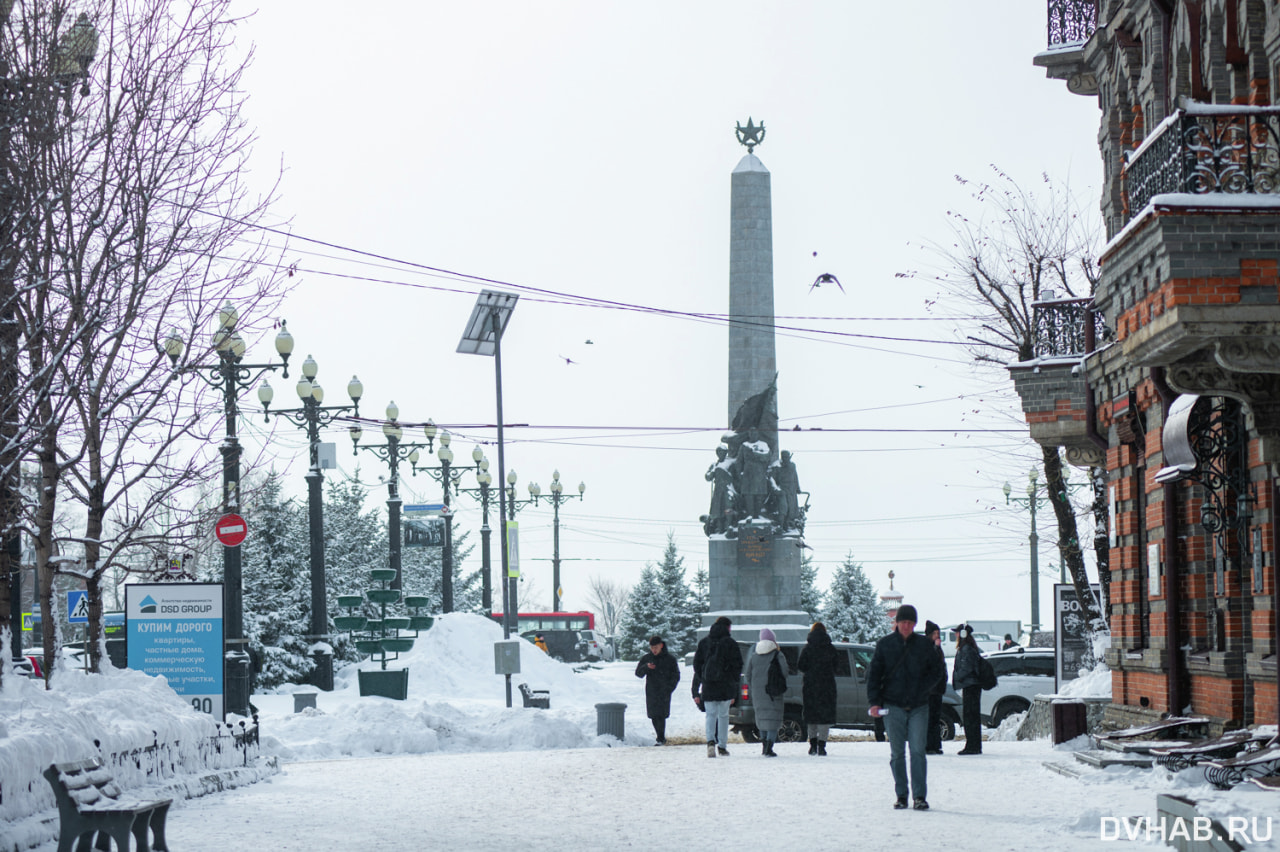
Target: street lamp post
[(392, 452), (311, 417), (448, 478), (1031, 501), (557, 496), (483, 480), (231, 376)]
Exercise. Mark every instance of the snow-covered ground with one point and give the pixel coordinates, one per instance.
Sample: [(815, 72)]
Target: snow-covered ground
[(453, 768)]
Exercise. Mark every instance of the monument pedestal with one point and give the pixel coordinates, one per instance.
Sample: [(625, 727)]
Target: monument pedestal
[(755, 580)]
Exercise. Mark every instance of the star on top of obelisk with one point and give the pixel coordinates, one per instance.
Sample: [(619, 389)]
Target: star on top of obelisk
[(751, 135)]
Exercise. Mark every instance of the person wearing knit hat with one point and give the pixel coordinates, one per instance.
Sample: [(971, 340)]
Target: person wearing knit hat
[(769, 709), (967, 680), (661, 673), (905, 668), (933, 743)]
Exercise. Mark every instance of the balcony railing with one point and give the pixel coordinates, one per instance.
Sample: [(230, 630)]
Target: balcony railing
[(1071, 21), (1207, 148), (1063, 326)]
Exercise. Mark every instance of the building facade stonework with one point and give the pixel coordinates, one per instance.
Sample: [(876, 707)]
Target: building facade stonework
[(1177, 389)]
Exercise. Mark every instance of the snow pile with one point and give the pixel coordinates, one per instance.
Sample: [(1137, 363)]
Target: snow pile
[(1092, 684), (1008, 730)]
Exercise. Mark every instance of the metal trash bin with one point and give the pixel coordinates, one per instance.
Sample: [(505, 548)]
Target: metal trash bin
[(303, 700), (611, 720), (1070, 720)]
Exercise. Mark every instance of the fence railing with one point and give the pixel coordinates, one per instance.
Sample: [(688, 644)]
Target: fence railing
[(1206, 148), (1071, 21), (1063, 327)]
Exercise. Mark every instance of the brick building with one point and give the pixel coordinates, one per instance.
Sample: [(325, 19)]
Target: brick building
[(1170, 376)]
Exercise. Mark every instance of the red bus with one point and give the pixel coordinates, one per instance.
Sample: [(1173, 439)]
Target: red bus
[(551, 620)]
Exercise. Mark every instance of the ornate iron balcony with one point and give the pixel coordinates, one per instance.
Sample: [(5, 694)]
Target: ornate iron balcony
[(1071, 21), (1207, 148), (1062, 328)]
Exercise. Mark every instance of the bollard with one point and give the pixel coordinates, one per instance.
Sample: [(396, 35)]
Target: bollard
[(611, 720), (1070, 720), (303, 700)]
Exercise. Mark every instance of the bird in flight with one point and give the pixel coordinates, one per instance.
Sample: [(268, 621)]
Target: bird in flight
[(568, 361), (825, 278)]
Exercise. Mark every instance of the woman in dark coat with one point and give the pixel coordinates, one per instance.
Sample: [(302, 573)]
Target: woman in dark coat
[(818, 662), (966, 679), (661, 673)]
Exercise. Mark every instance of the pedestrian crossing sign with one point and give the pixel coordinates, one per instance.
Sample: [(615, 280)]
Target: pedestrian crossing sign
[(26, 622), (78, 607)]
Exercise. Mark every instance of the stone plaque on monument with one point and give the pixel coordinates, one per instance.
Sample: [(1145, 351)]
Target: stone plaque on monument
[(755, 551)]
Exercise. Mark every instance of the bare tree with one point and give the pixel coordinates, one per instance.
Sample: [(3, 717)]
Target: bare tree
[(143, 229), (608, 599), (1024, 247)]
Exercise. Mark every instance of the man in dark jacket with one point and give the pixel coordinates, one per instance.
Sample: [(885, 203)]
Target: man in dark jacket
[(717, 671), (662, 673), (904, 670)]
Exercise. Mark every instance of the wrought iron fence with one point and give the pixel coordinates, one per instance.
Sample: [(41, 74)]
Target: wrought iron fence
[(1071, 21), (1061, 328), (1208, 149)]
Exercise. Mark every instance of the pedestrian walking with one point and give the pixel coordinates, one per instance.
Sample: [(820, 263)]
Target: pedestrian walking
[(661, 673), (818, 662), (769, 709), (904, 670), (933, 742), (966, 677), (717, 670)]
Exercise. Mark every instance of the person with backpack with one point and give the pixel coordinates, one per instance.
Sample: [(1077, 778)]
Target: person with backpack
[(767, 682), (661, 673), (966, 677), (717, 668), (904, 670), (818, 662)]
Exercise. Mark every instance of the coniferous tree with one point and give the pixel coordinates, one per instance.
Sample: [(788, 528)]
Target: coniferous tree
[(684, 625), (277, 585), (853, 611), (700, 592), (810, 594), (649, 611)]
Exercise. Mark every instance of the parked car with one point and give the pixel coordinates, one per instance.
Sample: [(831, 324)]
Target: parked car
[(563, 645), (1022, 674), (853, 661), (594, 646)]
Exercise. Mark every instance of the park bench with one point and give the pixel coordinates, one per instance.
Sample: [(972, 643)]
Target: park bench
[(1267, 782), (1174, 727), (1228, 745), (90, 801), (540, 698), (1258, 763)]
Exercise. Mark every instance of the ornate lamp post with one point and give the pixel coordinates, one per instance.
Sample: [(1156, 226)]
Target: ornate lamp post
[(392, 452), (557, 496), (484, 479), (1031, 501), (231, 376), (311, 416), (448, 478)]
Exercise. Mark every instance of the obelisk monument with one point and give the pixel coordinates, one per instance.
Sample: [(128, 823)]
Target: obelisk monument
[(756, 523)]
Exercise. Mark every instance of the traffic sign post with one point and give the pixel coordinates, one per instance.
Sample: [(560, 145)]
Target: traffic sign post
[(231, 530)]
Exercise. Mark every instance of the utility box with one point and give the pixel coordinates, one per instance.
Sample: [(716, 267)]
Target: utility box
[(1069, 719), (506, 656)]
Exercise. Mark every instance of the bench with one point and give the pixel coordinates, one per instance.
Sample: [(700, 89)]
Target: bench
[(1230, 744), (540, 698), (1267, 782), (1174, 727), (1252, 764), (90, 801)]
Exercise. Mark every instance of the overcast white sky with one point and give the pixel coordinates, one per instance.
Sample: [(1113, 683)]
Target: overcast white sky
[(585, 148)]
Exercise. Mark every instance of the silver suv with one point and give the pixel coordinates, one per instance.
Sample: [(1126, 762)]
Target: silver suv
[(853, 661), (1022, 674)]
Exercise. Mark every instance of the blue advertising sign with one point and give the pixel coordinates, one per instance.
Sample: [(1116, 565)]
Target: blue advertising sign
[(175, 630), (78, 607)]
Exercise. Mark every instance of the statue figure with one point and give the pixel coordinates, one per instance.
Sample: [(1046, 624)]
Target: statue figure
[(721, 515), (753, 465), (786, 484)]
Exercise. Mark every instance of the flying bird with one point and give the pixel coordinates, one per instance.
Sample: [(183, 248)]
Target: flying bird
[(590, 342), (825, 278), (568, 361)]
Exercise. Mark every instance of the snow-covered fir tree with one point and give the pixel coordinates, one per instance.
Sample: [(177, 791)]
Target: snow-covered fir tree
[(355, 542), (810, 594), (423, 571), (852, 612), (685, 616), (700, 592), (648, 612), (277, 585)]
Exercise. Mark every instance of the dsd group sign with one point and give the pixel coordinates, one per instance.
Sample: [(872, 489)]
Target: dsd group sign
[(175, 630)]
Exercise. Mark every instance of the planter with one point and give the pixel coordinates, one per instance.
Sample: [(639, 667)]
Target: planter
[(393, 683)]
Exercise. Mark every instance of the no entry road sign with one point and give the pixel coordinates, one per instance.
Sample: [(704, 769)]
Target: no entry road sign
[(230, 530)]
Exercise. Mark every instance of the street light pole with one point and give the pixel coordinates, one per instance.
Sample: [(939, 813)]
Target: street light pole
[(557, 496), (392, 452), (231, 376), (311, 416), (1031, 501), (483, 480), (448, 479)]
